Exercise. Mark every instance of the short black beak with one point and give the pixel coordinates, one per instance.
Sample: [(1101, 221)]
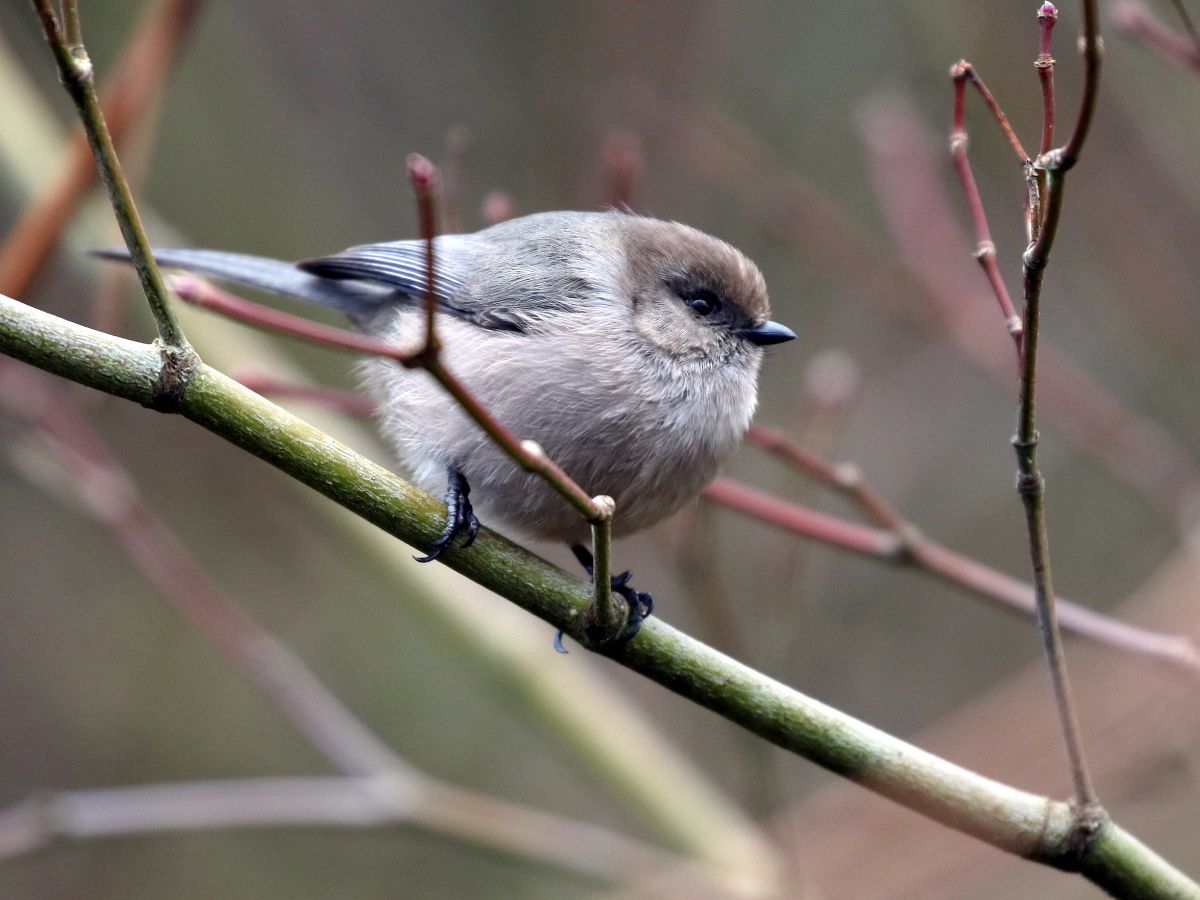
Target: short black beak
[(768, 333)]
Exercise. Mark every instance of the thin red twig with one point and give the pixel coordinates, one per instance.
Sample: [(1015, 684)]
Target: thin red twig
[(624, 166), (1047, 16), (423, 175), (346, 402), (909, 547), (985, 247)]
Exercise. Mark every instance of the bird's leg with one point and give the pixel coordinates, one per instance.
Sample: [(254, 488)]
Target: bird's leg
[(639, 603), (460, 517)]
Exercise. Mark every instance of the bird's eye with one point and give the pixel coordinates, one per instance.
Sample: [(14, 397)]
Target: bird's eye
[(703, 303)]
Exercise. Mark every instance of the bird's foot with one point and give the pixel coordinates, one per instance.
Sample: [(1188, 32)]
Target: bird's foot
[(460, 517), (639, 603)]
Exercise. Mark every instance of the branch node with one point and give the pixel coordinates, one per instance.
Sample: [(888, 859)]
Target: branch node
[(1032, 260), (1089, 822), (985, 250), (1030, 484), (605, 505), (847, 476), (171, 384), (81, 65), (534, 449)]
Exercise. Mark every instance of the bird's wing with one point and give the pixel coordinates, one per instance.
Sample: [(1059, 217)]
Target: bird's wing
[(356, 299), (401, 265)]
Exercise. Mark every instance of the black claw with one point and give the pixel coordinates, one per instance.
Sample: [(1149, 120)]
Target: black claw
[(460, 517), (639, 603)]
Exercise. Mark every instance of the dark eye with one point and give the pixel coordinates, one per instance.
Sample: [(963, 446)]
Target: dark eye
[(703, 303)]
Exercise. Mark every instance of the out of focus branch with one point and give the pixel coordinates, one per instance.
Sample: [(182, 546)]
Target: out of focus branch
[(905, 545), (375, 801), (1134, 20), (125, 98)]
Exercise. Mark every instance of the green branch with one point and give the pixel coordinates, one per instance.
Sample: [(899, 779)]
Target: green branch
[(1013, 820)]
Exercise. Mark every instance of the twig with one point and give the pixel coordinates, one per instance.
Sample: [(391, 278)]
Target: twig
[(1030, 484), (623, 166), (844, 477), (374, 801), (985, 247), (1092, 50), (1135, 450), (1047, 16), (1188, 24), (75, 72), (605, 616), (908, 546), (1133, 19), (346, 402), (455, 146)]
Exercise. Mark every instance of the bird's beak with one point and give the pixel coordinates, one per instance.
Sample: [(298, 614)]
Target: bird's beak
[(768, 333)]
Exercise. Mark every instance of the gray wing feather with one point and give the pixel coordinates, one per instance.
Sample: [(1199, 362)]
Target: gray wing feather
[(399, 263), (353, 298)]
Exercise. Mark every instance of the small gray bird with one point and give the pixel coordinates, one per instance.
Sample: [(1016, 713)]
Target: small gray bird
[(627, 347)]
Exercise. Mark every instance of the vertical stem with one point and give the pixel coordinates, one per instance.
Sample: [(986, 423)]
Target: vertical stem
[(1031, 487), (1091, 85), (423, 175), (1047, 15), (604, 613), (75, 71)]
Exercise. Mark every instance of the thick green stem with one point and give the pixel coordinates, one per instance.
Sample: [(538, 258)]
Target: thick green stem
[(1016, 821)]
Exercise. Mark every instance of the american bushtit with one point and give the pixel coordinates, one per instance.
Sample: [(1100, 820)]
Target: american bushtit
[(627, 347)]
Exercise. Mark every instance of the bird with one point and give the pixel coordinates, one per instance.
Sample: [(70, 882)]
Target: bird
[(626, 347)]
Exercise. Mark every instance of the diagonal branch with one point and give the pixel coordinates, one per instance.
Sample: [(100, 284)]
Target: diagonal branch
[(1033, 827)]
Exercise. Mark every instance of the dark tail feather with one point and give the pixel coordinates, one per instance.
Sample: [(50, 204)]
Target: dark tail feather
[(355, 298)]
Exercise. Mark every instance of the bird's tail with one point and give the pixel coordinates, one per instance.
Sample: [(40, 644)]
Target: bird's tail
[(355, 298)]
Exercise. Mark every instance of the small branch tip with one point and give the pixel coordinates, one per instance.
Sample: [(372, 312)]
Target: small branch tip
[(421, 172), (605, 505), (1048, 11), (534, 449), (1015, 326), (187, 287)]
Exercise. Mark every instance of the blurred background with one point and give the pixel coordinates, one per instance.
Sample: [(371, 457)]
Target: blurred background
[(813, 137)]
